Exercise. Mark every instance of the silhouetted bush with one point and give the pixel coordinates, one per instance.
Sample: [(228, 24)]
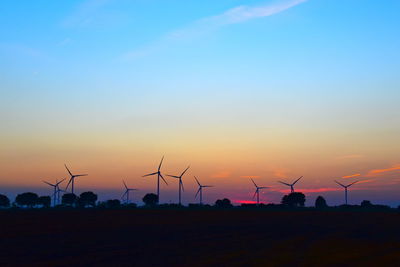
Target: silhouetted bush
[(44, 201), (28, 199), (295, 199), (320, 203), (69, 199), (113, 203), (130, 206), (224, 203), (150, 199), (87, 199), (4, 201), (366, 204)]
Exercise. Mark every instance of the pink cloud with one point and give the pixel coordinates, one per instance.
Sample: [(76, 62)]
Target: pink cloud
[(351, 176), (239, 201), (377, 172), (250, 176), (311, 190)]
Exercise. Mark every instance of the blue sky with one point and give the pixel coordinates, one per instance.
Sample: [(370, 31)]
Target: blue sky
[(323, 73)]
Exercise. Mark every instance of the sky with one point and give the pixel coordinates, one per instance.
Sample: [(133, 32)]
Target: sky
[(267, 89)]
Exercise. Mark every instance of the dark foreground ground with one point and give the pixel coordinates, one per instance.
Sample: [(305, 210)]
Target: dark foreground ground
[(198, 238)]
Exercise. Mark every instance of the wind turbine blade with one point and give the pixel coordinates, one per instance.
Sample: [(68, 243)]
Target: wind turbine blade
[(150, 174), (48, 183), (284, 183), (253, 182), (124, 194), (197, 181), (60, 182), (340, 184), (125, 184), (352, 183), (263, 187), (185, 171), (198, 191), (297, 180), (174, 176), (163, 179), (207, 186), (159, 166), (68, 169), (70, 180), (78, 175), (255, 193), (183, 188)]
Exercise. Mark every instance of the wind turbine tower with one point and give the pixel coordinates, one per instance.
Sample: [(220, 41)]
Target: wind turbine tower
[(291, 185), (56, 188), (180, 187), (345, 189), (201, 190), (72, 179), (159, 175), (127, 190), (257, 192)]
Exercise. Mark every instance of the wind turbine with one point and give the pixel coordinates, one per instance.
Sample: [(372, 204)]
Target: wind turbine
[(159, 175), (58, 194), (72, 179), (180, 183), (257, 192), (291, 185), (345, 188), (201, 190), (127, 190), (56, 188)]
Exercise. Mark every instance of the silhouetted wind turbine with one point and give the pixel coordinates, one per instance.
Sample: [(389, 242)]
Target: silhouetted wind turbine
[(257, 192), (159, 175), (291, 185), (180, 188), (55, 186), (72, 179), (127, 190), (58, 194), (201, 190), (345, 188)]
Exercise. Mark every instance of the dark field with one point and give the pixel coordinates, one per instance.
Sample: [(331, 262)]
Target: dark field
[(198, 238)]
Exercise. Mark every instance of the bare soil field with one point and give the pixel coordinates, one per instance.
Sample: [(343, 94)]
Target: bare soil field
[(198, 238)]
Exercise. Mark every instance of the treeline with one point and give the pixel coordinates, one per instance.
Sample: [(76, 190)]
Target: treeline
[(295, 200)]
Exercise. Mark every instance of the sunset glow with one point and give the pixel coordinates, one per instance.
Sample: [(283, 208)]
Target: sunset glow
[(269, 90)]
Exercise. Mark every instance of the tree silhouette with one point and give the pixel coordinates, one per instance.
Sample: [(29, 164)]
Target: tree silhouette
[(366, 204), (27, 199), (224, 203), (4, 201), (150, 199), (68, 199), (320, 203), (295, 199), (45, 201), (113, 203), (87, 199)]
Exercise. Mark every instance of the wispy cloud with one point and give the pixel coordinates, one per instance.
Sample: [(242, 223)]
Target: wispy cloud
[(250, 176), (366, 181), (351, 176), (206, 25), (280, 173), (240, 201), (92, 13), (221, 174), (311, 190), (377, 172)]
